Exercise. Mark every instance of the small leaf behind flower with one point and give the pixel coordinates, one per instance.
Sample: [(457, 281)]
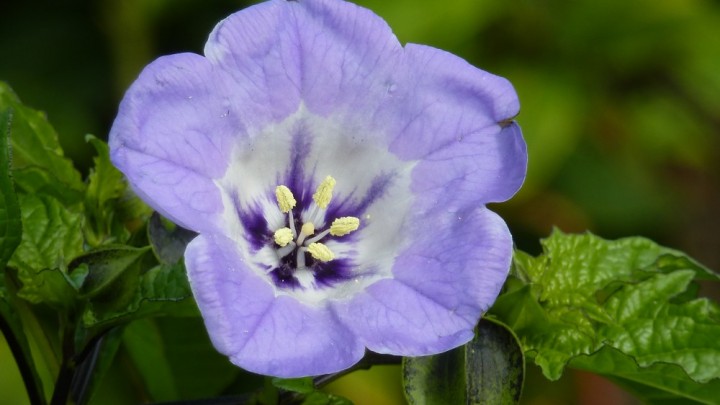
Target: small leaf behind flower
[(488, 370), (108, 217), (167, 239), (162, 290), (104, 265)]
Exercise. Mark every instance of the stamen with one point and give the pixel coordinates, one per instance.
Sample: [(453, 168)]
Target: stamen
[(283, 236), (291, 222), (320, 252), (286, 200), (286, 250), (317, 237), (292, 239), (323, 194), (344, 225)]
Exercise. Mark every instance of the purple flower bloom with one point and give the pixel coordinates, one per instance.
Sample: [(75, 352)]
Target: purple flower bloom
[(337, 179)]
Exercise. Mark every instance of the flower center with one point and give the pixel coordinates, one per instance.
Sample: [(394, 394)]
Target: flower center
[(295, 241)]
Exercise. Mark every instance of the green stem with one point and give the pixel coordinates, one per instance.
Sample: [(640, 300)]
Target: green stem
[(61, 394), (34, 392), (86, 361)]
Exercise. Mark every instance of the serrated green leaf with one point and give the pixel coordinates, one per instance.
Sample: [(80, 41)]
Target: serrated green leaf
[(104, 265), (35, 142), (167, 239), (487, 370), (162, 290), (51, 239), (52, 235), (50, 286), (106, 186), (586, 295), (653, 331)]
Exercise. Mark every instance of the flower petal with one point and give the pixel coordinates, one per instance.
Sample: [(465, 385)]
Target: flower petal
[(172, 137), (329, 54), (455, 119), (259, 331), (442, 283), (478, 169)]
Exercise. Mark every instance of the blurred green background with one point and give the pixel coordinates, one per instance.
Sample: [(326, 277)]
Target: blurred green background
[(620, 109)]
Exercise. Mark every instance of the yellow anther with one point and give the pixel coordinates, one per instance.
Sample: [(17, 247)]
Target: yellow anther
[(323, 194), (308, 228), (285, 199), (283, 236), (344, 225), (320, 252)]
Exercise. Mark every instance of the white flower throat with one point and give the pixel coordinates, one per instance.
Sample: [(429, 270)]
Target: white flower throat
[(302, 241)]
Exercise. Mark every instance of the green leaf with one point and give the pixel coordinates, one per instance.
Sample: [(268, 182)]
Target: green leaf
[(106, 186), (104, 265), (10, 228), (167, 239), (35, 142), (10, 235), (585, 297), (145, 345), (34, 180), (162, 290), (10, 223), (51, 238), (487, 370), (19, 326), (198, 369), (658, 383)]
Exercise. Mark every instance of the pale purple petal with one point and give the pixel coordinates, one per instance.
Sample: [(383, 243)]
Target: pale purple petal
[(478, 169), (332, 55), (455, 119), (259, 331), (442, 284), (172, 137)]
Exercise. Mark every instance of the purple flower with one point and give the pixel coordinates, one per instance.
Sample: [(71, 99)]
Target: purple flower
[(337, 179)]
